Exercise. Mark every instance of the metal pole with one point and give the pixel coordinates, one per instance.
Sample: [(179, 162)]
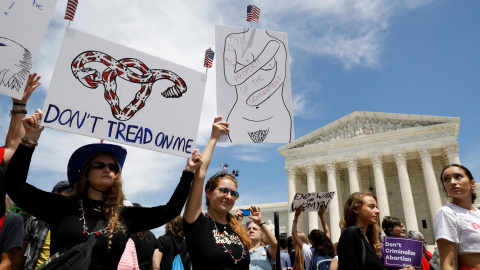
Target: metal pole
[(277, 235)]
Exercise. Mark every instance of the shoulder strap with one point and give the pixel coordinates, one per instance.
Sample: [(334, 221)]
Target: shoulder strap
[(363, 254), (91, 240), (459, 228), (2, 152)]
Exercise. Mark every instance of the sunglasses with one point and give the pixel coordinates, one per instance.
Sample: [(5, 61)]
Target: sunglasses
[(225, 191), (100, 165)]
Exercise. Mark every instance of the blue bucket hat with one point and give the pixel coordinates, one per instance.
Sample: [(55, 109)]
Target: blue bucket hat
[(80, 156)]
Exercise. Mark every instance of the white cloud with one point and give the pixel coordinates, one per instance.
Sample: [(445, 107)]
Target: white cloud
[(180, 31)]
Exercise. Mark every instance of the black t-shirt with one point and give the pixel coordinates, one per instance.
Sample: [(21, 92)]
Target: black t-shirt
[(170, 246), (62, 213), (207, 252), (145, 249), (12, 233)]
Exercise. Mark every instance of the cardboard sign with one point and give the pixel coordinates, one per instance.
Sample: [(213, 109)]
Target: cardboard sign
[(400, 252), (108, 91), (253, 85), (22, 27), (311, 201)]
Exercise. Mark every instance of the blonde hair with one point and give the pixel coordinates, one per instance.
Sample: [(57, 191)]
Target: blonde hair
[(113, 198), (298, 248), (237, 226), (301, 259), (355, 202)]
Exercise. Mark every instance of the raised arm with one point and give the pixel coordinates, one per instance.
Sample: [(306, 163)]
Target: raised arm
[(295, 236), (256, 217), (16, 130), (31, 199), (321, 213), (193, 207)]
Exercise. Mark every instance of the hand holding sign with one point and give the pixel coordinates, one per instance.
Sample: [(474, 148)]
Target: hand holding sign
[(32, 84), (32, 126)]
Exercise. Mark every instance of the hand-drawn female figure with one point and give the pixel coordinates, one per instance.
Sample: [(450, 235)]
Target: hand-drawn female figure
[(256, 64)]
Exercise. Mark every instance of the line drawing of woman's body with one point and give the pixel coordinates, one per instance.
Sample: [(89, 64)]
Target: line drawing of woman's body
[(256, 64)]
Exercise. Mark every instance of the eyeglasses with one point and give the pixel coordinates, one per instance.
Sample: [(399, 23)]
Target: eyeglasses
[(100, 165), (225, 191)]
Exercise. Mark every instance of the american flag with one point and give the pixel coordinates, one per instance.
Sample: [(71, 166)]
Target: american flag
[(71, 8), (209, 54), (253, 13)]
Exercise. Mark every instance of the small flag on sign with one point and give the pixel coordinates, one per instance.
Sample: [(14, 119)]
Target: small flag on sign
[(71, 9), (253, 13), (209, 54)]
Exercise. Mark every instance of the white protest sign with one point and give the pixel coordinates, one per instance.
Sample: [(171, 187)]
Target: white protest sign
[(108, 91), (253, 85), (311, 201), (22, 27)]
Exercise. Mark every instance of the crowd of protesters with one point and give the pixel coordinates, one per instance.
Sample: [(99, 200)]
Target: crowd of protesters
[(92, 215)]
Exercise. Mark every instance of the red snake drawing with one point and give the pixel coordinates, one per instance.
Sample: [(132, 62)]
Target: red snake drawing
[(91, 78)]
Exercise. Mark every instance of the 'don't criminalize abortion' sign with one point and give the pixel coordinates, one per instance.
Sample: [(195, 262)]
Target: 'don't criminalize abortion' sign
[(399, 252)]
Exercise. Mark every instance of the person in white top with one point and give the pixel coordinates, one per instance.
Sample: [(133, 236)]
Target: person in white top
[(459, 184)]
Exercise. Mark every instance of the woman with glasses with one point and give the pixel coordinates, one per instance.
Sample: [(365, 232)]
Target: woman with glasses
[(94, 171), (392, 227), (215, 240)]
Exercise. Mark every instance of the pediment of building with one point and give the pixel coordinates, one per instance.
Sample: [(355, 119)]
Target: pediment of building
[(362, 124)]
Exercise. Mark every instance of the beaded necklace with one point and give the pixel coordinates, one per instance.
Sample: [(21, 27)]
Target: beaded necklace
[(85, 227), (217, 234)]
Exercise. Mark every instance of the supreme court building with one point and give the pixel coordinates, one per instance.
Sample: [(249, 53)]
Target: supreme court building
[(397, 156)]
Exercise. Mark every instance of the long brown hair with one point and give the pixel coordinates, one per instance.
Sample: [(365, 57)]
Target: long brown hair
[(175, 227), (113, 198), (237, 226), (355, 202)]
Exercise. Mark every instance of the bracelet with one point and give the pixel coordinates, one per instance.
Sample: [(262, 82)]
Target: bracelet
[(28, 142), (261, 224), (19, 104), (17, 111), (295, 220)]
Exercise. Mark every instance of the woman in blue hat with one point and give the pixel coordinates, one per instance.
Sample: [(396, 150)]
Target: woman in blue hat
[(94, 171)]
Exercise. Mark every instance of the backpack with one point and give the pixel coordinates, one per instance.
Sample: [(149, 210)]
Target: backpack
[(177, 263), (182, 259), (318, 262)]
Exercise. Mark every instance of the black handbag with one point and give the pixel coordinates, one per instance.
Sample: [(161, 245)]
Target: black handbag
[(75, 258)]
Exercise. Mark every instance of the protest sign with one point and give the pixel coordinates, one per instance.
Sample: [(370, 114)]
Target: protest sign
[(108, 91), (253, 85), (311, 201), (400, 252), (22, 27)]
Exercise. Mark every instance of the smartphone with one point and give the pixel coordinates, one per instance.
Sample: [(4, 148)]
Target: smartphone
[(245, 212)]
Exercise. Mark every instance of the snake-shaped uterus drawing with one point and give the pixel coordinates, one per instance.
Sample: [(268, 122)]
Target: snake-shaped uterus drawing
[(129, 69)]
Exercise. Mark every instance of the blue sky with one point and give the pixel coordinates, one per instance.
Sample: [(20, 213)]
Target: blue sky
[(411, 57)]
